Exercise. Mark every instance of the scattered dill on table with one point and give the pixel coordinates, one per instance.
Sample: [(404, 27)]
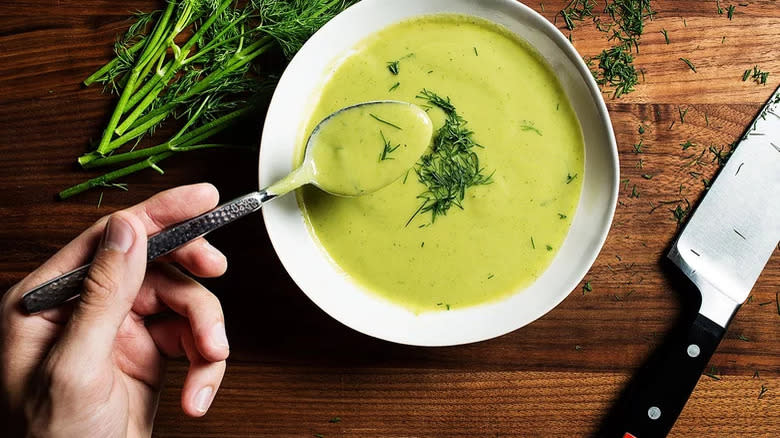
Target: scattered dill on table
[(687, 144), (577, 10), (586, 288), (730, 12), (666, 35), (335, 420), (452, 166), (634, 192), (689, 64), (616, 68), (756, 75), (682, 114), (638, 146), (647, 176), (720, 10)]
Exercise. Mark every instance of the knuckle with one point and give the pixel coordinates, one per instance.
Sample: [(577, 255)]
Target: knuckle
[(101, 282)]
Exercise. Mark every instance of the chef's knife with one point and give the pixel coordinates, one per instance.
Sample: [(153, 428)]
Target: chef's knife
[(722, 250)]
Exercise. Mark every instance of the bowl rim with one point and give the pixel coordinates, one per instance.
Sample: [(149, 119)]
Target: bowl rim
[(599, 235)]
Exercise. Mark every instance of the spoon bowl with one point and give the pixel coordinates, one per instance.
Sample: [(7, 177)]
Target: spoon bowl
[(361, 148)]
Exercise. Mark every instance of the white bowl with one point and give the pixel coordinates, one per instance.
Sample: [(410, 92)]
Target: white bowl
[(328, 286)]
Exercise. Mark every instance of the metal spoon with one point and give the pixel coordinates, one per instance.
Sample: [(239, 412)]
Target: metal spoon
[(68, 286)]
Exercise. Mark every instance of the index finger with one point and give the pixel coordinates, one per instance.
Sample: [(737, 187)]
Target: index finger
[(156, 213)]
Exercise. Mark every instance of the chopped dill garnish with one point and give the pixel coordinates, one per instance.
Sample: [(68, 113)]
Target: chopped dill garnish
[(617, 70), (381, 120), (395, 86), (529, 126), (549, 248), (723, 40), (742, 337), (681, 213), (687, 144), (682, 114), (634, 192), (720, 155), (335, 420), (638, 146), (647, 176), (666, 35), (570, 178), (689, 64), (533, 245), (586, 288), (475, 52), (641, 129), (640, 164), (452, 166), (712, 373), (490, 276), (577, 10), (756, 75), (393, 66), (720, 10), (562, 216), (387, 149), (762, 391), (730, 12)]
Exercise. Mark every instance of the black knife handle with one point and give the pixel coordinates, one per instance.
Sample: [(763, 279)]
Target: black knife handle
[(661, 388)]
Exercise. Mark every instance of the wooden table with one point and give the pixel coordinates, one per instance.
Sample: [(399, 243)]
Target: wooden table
[(293, 368)]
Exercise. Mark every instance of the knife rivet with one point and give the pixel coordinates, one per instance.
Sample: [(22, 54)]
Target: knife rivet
[(693, 350), (654, 413)]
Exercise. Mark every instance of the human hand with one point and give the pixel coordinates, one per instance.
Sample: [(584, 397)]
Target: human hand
[(95, 367)]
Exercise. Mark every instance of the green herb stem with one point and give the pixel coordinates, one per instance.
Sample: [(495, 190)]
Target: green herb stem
[(100, 73), (150, 162)]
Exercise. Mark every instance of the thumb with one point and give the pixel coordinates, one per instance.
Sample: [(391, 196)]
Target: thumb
[(110, 289)]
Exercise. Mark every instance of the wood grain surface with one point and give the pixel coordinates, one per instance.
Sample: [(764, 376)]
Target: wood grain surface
[(293, 368)]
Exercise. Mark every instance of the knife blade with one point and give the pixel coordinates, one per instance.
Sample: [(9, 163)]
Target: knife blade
[(722, 249)]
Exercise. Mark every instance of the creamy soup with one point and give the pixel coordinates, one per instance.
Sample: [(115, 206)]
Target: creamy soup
[(515, 137)]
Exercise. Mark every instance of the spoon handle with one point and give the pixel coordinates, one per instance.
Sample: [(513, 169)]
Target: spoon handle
[(67, 286)]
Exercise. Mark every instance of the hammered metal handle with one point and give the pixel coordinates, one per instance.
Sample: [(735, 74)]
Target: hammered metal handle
[(68, 286)]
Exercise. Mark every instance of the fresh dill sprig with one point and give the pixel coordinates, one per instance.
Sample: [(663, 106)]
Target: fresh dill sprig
[(689, 64), (452, 166), (194, 61)]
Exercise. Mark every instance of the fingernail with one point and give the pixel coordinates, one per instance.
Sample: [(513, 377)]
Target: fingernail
[(119, 235), (203, 399), (219, 337)]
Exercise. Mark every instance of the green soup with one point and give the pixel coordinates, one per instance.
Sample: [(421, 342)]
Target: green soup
[(507, 232)]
